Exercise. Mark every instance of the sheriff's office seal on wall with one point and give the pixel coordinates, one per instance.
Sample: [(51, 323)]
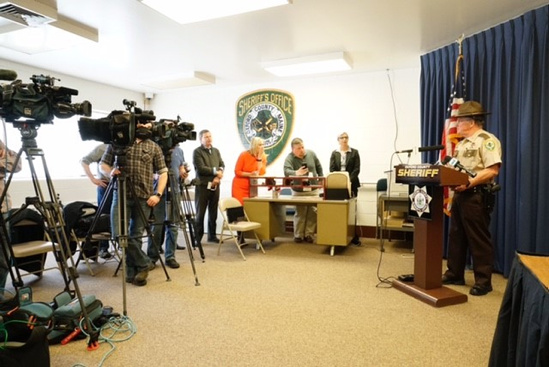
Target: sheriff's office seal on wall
[(268, 114)]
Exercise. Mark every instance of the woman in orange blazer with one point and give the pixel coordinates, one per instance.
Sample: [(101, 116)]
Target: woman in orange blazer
[(250, 163)]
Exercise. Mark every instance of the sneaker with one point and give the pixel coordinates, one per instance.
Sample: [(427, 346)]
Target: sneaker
[(180, 247), (298, 239), (213, 239), (104, 254), (172, 263), (309, 239)]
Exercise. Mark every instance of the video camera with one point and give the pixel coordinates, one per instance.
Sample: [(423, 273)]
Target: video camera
[(37, 102), (168, 133), (118, 128)]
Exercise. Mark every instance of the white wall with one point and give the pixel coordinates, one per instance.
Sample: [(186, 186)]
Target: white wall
[(363, 105)]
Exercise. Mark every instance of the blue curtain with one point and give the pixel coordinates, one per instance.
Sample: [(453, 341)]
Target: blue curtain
[(507, 70)]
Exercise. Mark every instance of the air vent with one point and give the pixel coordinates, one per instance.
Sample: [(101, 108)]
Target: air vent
[(34, 15)]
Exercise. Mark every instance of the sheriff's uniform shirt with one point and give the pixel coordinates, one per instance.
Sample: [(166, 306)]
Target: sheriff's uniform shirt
[(479, 151)]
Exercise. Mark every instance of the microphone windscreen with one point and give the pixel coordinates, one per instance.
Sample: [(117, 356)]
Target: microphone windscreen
[(8, 75)]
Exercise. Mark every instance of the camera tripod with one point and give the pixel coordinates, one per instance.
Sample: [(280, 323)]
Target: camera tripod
[(52, 214), (175, 214), (190, 217), (121, 236)]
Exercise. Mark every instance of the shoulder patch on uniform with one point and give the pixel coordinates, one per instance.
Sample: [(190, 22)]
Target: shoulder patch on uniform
[(490, 144)]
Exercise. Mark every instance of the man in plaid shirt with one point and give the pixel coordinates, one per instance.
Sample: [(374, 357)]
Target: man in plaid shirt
[(144, 158)]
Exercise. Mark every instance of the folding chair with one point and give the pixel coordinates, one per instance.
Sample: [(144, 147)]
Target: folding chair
[(29, 243), (338, 186), (235, 220), (79, 216)]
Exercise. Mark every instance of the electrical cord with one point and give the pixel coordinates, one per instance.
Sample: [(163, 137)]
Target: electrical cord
[(394, 112), (115, 330)]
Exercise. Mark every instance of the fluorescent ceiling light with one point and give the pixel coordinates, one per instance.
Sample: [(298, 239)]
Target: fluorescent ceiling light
[(326, 63), (183, 80), (186, 11)]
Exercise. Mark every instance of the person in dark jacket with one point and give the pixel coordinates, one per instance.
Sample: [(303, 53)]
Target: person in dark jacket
[(346, 159), (209, 168)]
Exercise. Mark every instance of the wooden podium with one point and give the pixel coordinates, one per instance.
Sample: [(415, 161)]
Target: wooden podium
[(428, 235)]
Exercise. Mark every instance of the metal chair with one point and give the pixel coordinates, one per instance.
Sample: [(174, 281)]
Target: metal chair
[(236, 220), (29, 243), (338, 186), (381, 187)]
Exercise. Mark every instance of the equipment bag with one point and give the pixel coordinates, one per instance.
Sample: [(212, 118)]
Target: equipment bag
[(23, 328), (68, 315)]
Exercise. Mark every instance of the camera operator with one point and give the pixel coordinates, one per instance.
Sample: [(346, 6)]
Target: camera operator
[(7, 159), (179, 170), (143, 158)]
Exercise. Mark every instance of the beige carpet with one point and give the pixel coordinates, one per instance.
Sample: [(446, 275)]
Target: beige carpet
[(293, 306)]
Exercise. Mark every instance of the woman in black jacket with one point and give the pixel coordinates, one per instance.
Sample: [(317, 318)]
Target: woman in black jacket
[(346, 159)]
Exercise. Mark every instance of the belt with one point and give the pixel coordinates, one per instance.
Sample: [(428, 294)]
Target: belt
[(476, 189)]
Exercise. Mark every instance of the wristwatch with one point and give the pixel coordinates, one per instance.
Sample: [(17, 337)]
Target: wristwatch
[(158, 194)]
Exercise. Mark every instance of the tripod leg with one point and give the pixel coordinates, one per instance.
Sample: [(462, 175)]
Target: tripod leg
[(141, 213), (176, 217), (5, 233), (53, 215), (100, 209), (7, 254), (190, 216)]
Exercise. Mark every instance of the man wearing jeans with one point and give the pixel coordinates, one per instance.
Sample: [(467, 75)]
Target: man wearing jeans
[(166, 215), (142, 159)]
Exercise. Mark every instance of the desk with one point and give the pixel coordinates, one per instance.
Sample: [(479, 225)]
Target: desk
[(392, 203), (522, 332), (335, 218)]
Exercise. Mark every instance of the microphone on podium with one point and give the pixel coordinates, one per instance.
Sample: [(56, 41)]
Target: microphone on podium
[(455, 163), (422, 149)]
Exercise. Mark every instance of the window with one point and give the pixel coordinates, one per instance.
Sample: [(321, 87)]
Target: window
[(61, 144)]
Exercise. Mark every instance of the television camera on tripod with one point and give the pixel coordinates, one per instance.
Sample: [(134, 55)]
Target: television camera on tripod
[(179, 209), (121, 129), (27, 106)]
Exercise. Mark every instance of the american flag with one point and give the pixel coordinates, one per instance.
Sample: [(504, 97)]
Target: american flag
[(449, 135)]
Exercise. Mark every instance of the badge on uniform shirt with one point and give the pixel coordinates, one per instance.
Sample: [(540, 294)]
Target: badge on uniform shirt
[(490, 144)]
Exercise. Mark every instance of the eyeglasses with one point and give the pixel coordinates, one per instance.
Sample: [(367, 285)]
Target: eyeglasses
[(343, 137), (464, 119)]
